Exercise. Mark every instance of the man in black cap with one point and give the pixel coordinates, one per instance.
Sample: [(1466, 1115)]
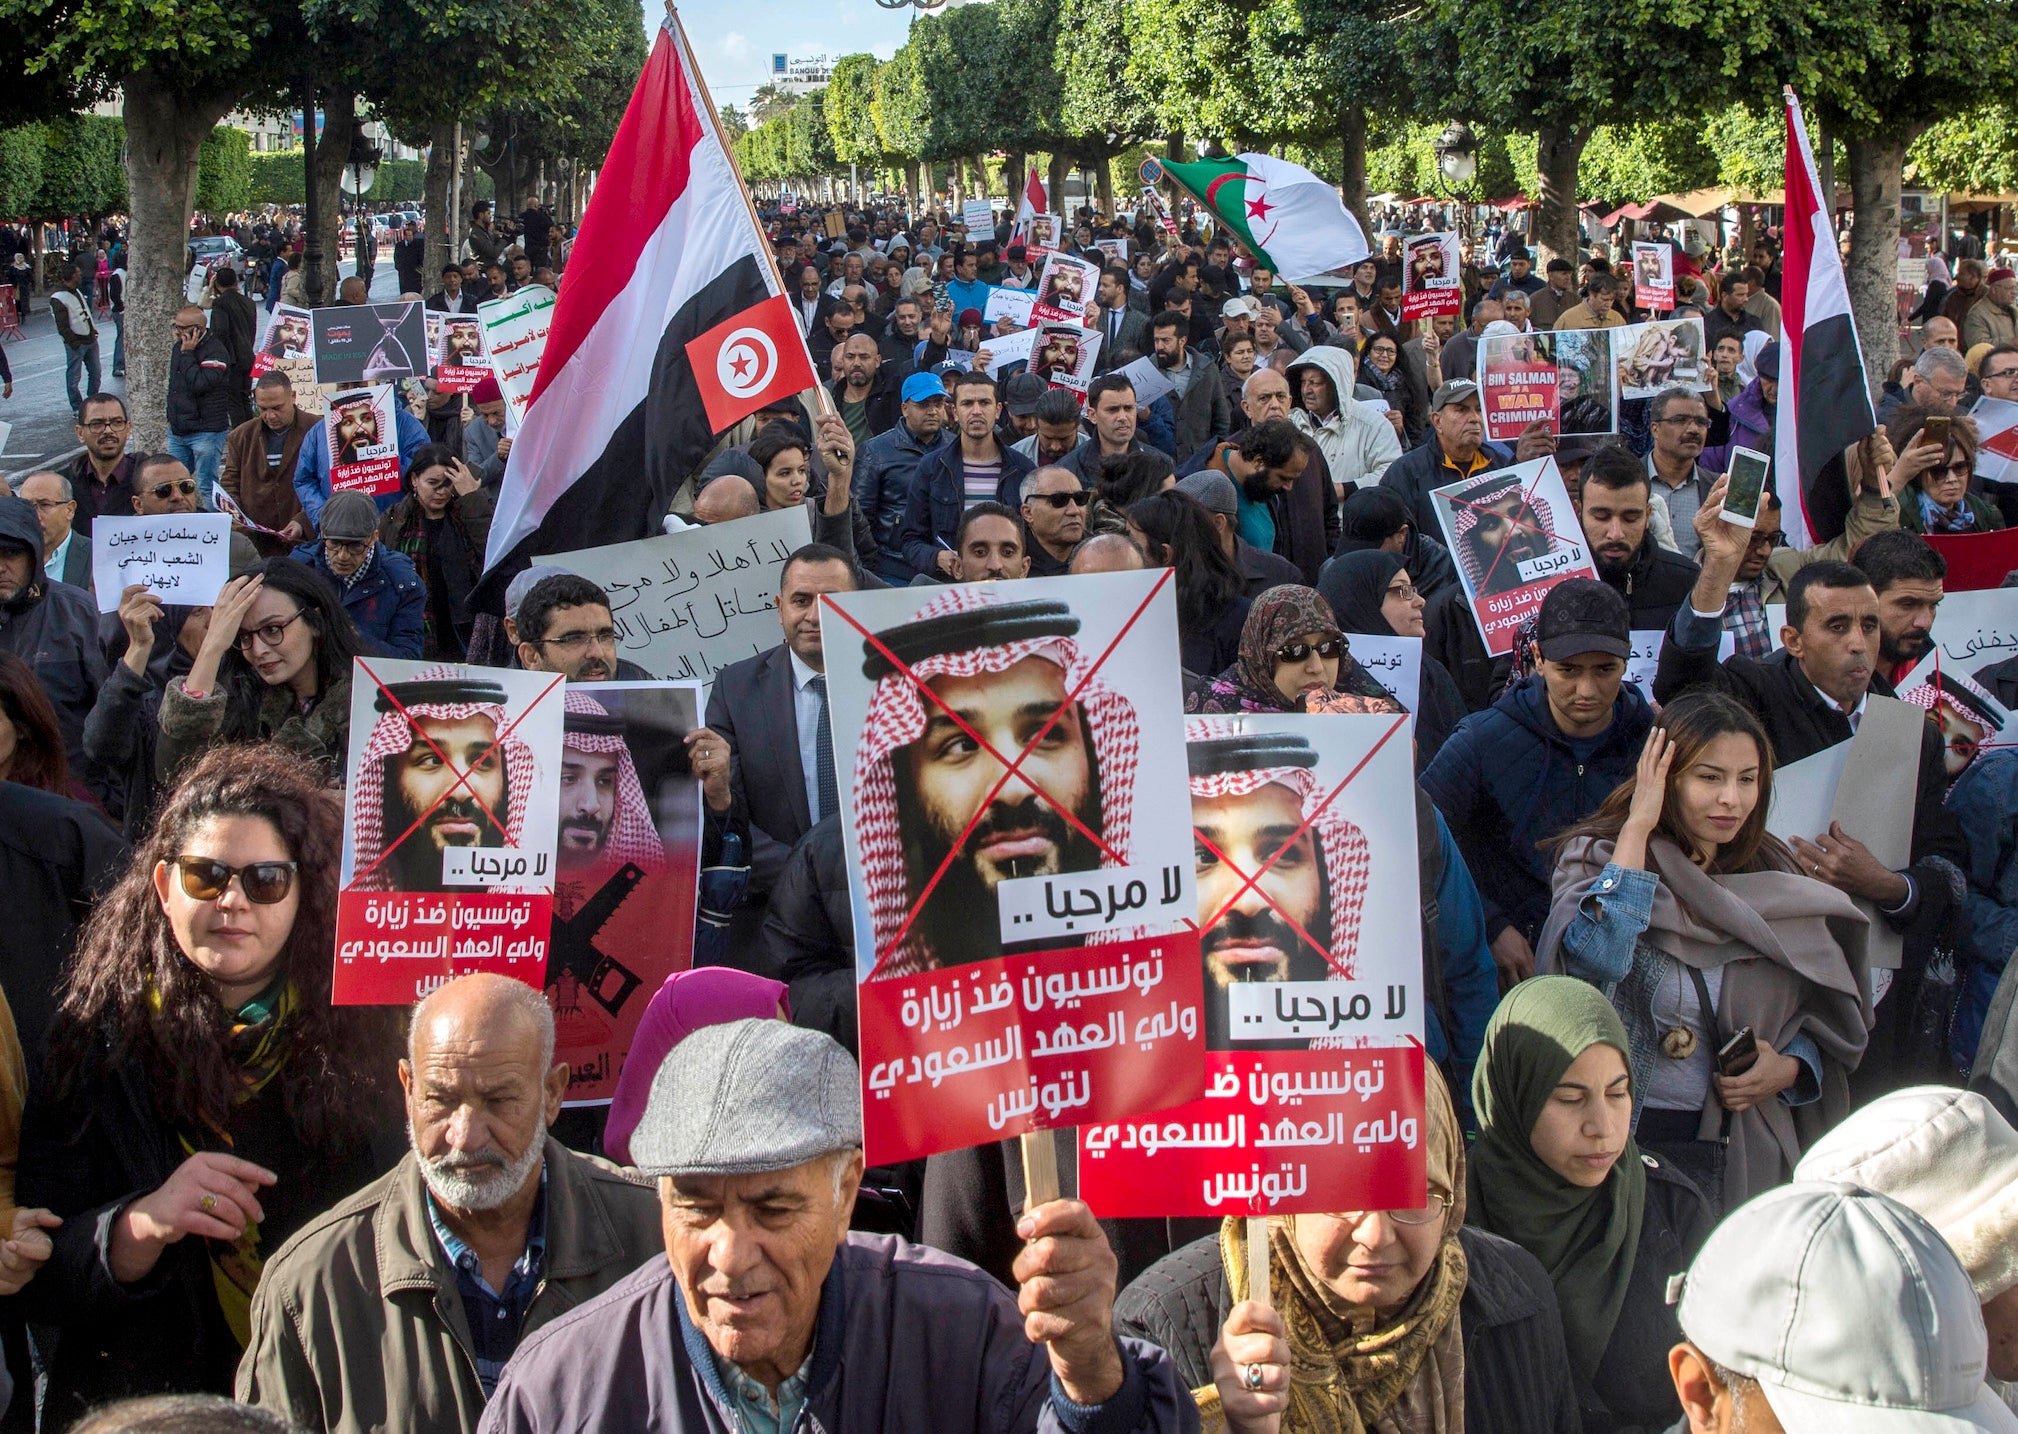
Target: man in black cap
[(1020, 396), (1542, 757), (1013, 673)]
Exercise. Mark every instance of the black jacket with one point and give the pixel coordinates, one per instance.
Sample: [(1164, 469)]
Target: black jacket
[(751, 706), (881, 406), (1654, 584), (1516, 1375), (199, 388), (809, 929), (53, 627), (56, 857), (2001, 678), (1422, 468)]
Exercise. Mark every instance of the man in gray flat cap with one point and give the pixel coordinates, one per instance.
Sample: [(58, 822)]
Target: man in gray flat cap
[(768, 1314)]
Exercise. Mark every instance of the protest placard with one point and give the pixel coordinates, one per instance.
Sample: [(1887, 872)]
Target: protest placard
[(1661, 353), (1116, 250), (1008, 349), (363, 441), (1587, 390), (182, 558), (1394, 662), (448, 834), (686, 605), (1653, 275), (1064, 356), (1151, 382), (1430, 282), (1020, 868), (1009, 304), (1310, 939), (1517, 385), (360, 344), (228, 505), (1066, 291), (285, 337), (515, 336), (1996, 421), (1515, 536), (1043, 234), (627, 861), (979, 217), (1971, 719), (462, 363), (1973, 630)]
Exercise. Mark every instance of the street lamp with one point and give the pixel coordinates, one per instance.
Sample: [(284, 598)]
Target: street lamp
[(1457, 165)]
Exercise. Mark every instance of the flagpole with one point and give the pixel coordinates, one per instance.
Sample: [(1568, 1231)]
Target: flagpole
[(692, 66)]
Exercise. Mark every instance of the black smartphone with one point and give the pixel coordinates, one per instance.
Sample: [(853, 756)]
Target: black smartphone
[(1739, 1054)]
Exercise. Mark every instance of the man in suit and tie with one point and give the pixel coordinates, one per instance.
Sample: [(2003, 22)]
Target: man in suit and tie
[(772, 709), (67, 553), (1120, 326)]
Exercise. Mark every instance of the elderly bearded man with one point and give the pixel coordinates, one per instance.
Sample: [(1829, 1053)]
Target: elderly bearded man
[(767, 1314)]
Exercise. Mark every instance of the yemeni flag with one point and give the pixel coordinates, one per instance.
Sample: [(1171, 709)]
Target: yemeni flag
[(670, 327), (1033, 204), (1293, 221), (1825, 403)]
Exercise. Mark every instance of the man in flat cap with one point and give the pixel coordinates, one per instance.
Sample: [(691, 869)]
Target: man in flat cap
[(768, 1314), (1005, 669), (1256, 798), (435, 774)]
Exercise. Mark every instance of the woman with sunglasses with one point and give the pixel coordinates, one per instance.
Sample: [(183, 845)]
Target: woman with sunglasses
[(274, 666), (1555, 1170), (1292, 657), (1937, 498), (1378, 1321), (202, 1099)]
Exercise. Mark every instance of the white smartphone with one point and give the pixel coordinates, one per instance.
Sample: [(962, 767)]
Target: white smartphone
[(1747, 488)]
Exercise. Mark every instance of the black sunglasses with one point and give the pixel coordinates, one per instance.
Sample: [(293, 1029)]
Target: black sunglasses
[(1330, 650), (1059, 500), (185, 487), (263, 882)]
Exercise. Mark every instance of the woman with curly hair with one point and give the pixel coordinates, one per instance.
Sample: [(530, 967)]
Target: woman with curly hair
[(202, 1098)]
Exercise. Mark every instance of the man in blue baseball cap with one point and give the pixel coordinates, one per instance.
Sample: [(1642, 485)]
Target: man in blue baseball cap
[(886, 465)]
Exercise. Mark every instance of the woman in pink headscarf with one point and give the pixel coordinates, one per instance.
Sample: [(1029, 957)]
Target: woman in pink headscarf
[(706, 996)]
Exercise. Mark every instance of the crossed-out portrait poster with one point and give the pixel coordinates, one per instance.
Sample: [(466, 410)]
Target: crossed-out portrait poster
[(627, 858), (1515, 536), (1311, 945), (1019, 860), (449, 828)]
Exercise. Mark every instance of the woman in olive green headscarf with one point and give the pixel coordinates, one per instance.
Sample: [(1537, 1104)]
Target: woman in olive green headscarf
[(1555, 1170)]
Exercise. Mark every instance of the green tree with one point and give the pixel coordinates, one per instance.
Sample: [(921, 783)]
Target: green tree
[(1977, 151), (81, 175), (224, 171), (901, 108), (849, 95), (22, 150)]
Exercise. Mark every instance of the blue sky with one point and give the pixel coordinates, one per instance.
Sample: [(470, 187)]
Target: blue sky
[(735, 39)]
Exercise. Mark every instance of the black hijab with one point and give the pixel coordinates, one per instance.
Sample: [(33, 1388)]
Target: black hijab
[(1355, 584)]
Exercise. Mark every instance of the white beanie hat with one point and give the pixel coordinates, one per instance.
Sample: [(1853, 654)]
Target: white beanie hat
[(1947, 1155)]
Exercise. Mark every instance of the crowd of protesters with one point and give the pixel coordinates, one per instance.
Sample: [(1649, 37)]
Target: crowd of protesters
[(216, 1185)]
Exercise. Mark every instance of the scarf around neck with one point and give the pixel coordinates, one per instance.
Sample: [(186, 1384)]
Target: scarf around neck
[(1586, 1238)]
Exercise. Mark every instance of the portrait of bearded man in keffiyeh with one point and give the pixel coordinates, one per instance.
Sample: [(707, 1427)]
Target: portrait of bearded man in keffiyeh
[(1258, 806), (1006, 670), (1498, 529), (434, 775)]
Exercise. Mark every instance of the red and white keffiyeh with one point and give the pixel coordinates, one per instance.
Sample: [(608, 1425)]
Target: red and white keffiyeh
[(897, 714), (390, 737), (633, 838), (1465, 515)]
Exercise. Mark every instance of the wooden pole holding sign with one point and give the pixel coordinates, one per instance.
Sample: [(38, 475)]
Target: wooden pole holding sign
[(1040, 1168), (1257, 1259), (826, 400)]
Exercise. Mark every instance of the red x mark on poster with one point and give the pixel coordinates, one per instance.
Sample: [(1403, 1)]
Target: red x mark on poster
[(462, 775), (1528, 522), (1250, 883), (1011, 769)]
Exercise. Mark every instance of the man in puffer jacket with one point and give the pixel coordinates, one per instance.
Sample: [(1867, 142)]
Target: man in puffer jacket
[(1357, 443)]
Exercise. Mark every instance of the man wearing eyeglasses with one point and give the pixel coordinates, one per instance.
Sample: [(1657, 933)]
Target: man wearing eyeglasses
[(101, 477), (1681, 425), (1054, 513), (63, 559), (564, 626), (381, 591), (199, 397)]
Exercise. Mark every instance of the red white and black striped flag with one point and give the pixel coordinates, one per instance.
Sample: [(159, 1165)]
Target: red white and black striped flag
[(1824, 404), (668, 276)]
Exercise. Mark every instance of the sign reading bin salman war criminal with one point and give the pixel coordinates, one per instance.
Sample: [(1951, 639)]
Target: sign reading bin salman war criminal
[(1019, 862), (1515, 536), (627, 859), (448, 835), (1310, 944)]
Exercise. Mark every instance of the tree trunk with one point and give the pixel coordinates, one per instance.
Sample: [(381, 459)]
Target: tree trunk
[(1013, 171), (165, 127), (440, 176), (1103, 175), (339, 118), (1557, 153), (1060, 167), (1352, 162), (1875, 166)]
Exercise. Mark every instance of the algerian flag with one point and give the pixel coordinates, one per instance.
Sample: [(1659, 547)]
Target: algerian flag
[(1291, 219)]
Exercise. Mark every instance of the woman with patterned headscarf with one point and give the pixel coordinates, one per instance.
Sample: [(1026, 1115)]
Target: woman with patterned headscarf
[(1555, 1170), (1293, 658), (1383, 1321)]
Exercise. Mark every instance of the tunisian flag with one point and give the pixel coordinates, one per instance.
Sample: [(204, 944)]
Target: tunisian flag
[(668, 256), (1824, 404)]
